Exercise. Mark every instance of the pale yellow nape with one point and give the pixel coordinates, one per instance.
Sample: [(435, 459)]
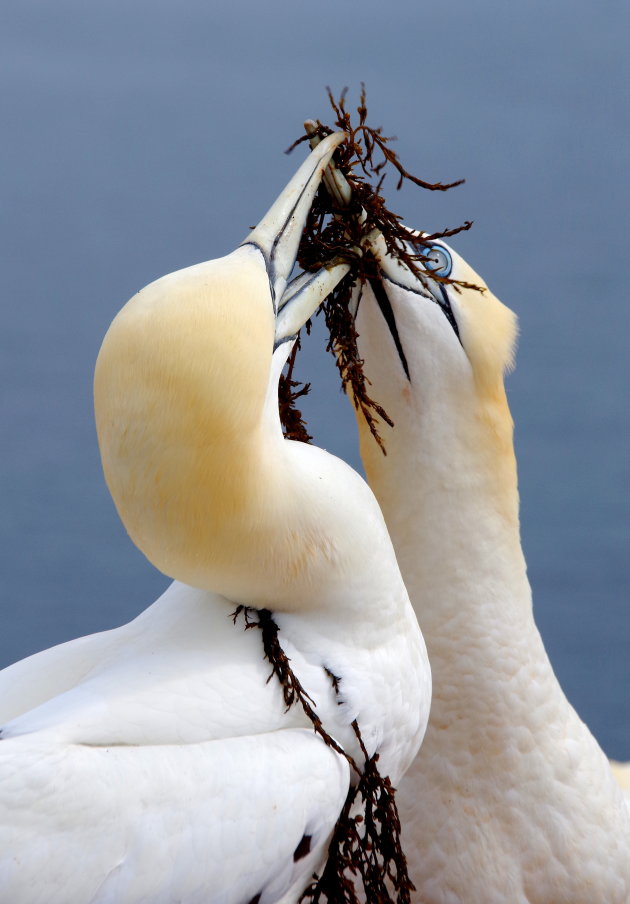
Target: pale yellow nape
[(179, 391), (489, 332), (488, 328)]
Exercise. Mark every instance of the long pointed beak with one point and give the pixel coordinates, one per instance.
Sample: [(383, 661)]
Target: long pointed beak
[(336, 183), (303, 296), (278, 233)]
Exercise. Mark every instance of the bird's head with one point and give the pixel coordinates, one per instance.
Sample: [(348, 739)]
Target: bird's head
[(436, 354), (186, 389), (459, 337), (426, 343)]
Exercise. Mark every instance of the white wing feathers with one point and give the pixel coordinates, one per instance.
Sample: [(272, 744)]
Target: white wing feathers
[(167, 822), (170, 767)]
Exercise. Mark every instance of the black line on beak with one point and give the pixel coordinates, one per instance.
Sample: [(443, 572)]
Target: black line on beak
[(443, 303), (384, 304), (270, 258), (447, 310)]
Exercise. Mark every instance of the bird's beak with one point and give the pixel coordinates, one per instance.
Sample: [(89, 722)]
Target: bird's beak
[(278, 236), (303, 296)]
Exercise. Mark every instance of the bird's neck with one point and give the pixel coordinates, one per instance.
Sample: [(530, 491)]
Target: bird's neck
[(270, 523), (304, 532), (448, 490), (317, 524)]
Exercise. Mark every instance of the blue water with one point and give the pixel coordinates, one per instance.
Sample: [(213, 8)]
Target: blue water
[(140, 138)]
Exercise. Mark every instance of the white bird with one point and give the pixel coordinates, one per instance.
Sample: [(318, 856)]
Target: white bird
[(510, 798), (156, 763)]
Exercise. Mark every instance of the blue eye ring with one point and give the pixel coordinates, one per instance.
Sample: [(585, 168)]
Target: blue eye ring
[(439, 261)]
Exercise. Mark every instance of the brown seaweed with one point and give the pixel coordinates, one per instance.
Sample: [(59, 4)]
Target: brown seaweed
[(289, 391), (365, 847), (337, 230)]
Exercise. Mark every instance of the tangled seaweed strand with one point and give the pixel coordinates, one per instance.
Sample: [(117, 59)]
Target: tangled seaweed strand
[(292, 689), (289, 391), (337, 230), (365, 845)]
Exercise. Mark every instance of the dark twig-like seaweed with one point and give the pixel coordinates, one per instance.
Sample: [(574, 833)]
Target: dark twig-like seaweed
[(339, 230), (292, 689), (289, 391), (365, 847)]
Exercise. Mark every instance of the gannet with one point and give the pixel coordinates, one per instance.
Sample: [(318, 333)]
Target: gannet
[(510, 798), (157, 762)]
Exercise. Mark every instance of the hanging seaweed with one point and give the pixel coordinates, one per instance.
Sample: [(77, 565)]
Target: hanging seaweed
[(341, 217), (365, 853), (289, 391)]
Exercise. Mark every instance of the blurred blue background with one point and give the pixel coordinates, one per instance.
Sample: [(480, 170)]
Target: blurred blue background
[(143, 136)]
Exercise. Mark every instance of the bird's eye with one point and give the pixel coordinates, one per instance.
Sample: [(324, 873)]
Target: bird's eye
[(438, 260)]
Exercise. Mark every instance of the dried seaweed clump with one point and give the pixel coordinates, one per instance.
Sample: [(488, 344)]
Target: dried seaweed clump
[(289, 391), (365, 847), (336, 228)]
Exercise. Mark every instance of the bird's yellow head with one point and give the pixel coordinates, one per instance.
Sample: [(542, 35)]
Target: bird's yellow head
[(179, 391), (186, 407), (436, 355)]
